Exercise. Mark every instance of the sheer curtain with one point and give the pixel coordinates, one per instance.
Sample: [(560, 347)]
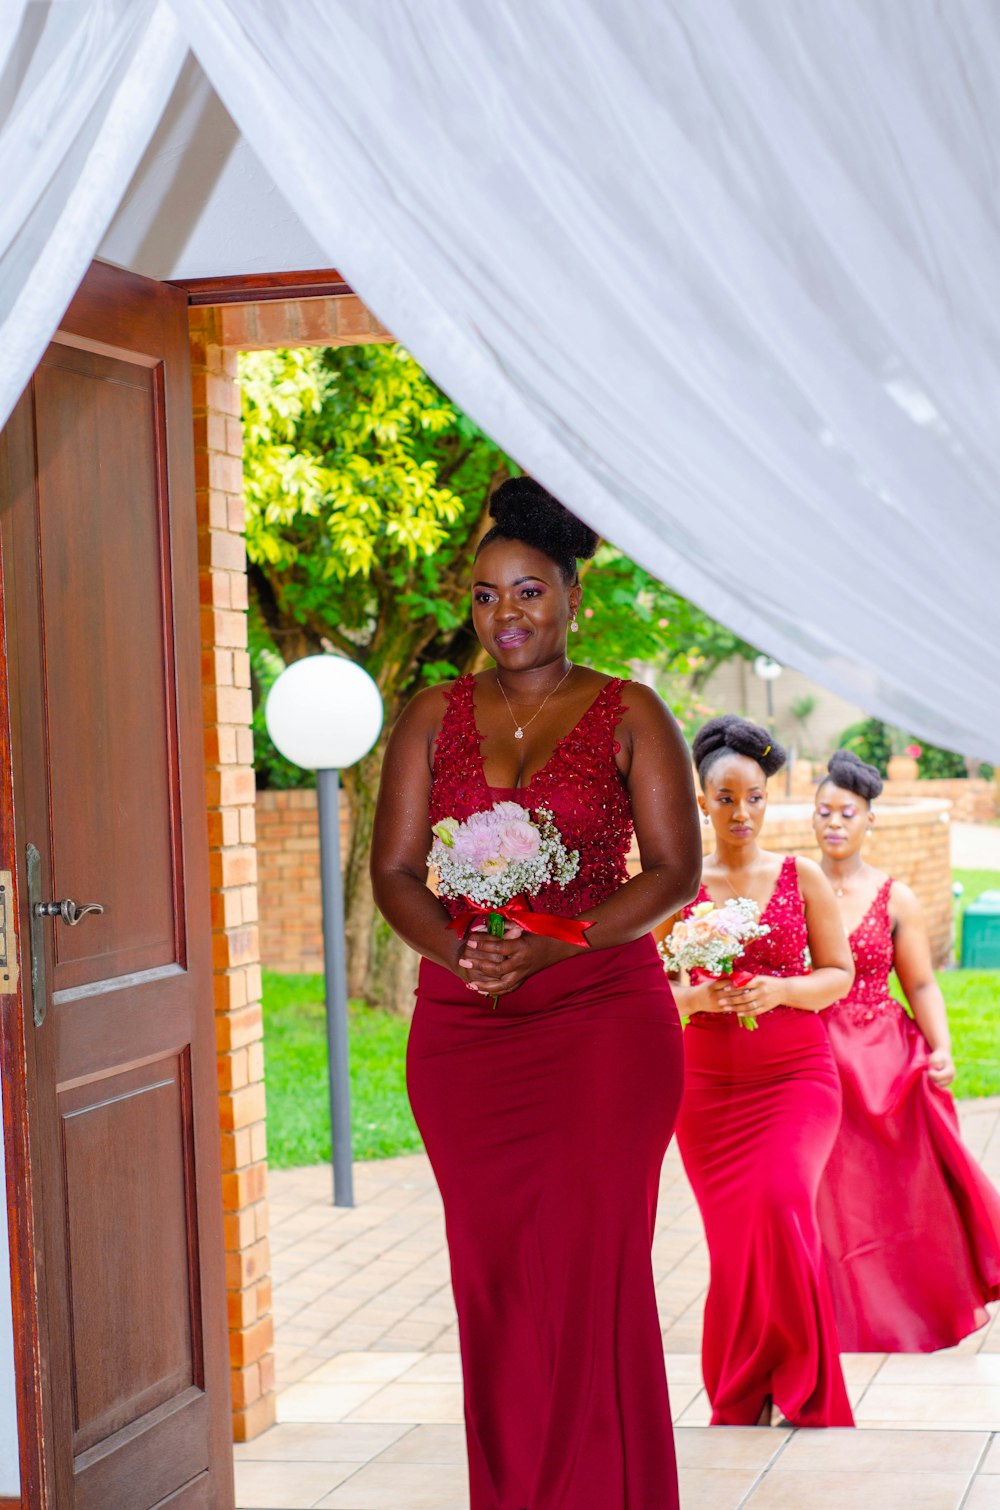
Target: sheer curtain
[(725, 277), (82, 86)]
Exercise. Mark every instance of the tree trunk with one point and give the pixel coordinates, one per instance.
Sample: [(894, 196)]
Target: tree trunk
[(381, 969)]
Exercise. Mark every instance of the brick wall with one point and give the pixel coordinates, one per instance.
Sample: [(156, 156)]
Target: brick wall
[(911, 842), (236, 951), (972, 801)]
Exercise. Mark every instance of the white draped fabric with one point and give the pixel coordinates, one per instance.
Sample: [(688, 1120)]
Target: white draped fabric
[(724, 276)]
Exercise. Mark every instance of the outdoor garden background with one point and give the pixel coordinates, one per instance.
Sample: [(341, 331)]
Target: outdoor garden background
[(364, 486)]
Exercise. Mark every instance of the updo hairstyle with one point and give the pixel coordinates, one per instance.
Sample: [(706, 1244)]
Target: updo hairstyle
[(730, 735), (852, 774), (524, 511)]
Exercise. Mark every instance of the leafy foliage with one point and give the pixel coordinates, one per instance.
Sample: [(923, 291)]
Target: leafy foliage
[(871, 740)]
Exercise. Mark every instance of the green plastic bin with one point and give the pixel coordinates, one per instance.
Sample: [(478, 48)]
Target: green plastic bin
[(981, 933)]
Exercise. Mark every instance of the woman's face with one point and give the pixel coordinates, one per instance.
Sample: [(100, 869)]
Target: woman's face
[(735, 799), (521, 605), (840, 821)]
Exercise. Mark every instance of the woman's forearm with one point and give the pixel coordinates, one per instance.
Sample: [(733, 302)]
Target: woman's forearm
[(413, 911), (821, 988), (640, 904), (931, 1015)]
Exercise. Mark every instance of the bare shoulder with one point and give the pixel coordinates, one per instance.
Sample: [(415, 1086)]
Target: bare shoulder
[(420, 720), (904, 905), (812, 881), (645, 710)]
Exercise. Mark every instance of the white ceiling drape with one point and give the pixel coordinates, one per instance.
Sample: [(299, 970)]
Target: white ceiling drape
[(725, 277)]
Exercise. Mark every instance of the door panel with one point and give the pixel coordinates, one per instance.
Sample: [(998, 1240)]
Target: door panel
[(102, 572), (99, 556)]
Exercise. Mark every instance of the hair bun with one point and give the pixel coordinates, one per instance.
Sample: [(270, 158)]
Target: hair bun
[(740, 737), (847, 770), (523, 510)]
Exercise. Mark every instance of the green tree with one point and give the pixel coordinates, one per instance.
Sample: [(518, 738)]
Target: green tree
[(366, 493)]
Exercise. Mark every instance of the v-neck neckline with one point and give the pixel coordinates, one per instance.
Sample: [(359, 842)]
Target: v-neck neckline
[(480, 736), (787, 860), (869, 909)]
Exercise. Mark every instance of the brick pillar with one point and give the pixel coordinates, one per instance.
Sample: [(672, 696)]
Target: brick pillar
[(218, 441)]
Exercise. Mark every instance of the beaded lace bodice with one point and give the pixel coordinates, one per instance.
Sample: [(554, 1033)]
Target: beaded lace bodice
[(580, 784), (783, 951), (871, 946)]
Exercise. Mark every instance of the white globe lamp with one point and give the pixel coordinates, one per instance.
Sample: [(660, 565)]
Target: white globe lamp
[(324, 713)]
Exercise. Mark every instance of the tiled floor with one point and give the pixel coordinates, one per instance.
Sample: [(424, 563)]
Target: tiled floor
[(370, 1406)]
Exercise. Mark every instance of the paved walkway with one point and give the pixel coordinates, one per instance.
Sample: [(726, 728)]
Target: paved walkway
[(975, 846), (370, 1399)]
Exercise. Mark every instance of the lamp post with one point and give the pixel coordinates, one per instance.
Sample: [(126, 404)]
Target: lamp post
[(324, 713), (768, 671)]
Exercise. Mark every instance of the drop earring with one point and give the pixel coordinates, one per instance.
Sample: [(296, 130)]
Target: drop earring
[(574, 627)]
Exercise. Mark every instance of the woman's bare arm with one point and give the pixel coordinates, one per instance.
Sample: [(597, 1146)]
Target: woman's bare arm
[(401, 838), (915, 970)]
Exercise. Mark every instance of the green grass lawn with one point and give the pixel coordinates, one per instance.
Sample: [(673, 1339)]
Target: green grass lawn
[(298, 1114), (298, 1108)]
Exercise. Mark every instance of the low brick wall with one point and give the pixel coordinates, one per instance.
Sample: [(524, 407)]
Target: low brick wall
[(910, 841), (972, 801)]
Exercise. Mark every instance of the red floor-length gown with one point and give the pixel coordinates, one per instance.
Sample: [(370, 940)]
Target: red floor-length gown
[(546, 1122), (759, 1117), (910, 1224)]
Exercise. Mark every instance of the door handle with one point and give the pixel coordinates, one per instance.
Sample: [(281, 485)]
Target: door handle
[(69, 911)]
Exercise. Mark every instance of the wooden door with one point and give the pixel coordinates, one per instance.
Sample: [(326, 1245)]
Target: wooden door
[(123, 1194)]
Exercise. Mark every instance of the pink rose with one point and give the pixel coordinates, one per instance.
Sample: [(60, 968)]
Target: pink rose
[(476, 842), (519, 841)]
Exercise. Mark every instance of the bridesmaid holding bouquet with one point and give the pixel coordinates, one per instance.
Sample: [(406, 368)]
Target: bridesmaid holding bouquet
[(910, 1224), (761, 1108)]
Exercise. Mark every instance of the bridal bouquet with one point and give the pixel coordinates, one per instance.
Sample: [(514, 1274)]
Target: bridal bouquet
[(708, 942), (499, 858)]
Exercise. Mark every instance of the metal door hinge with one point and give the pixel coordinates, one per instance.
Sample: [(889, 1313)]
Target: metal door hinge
[(8, 936)]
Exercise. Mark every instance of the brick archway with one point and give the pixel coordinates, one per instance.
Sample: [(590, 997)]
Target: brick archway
[(326, 314)]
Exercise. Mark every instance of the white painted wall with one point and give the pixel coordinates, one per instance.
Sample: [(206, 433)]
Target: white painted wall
[(10, 1481)]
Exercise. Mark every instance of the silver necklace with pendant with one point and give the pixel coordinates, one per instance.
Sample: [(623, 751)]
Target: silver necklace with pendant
[(520, 728)]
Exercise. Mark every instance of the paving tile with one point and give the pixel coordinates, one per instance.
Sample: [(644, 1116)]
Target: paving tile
[(859, 1491), (287, 1485), (864, 1451), (955, 1366), (312, 1442), (991, 1463), (967, 1406), (363, 1368), (401, 1486), (322, 1402), (435, 1368), (722, 1447), (428, 1444), (412, 1402), (716, 1488), (984, 1494)]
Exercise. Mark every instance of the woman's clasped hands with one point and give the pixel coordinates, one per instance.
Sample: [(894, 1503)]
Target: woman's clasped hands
[(752, 999), (497, 966)]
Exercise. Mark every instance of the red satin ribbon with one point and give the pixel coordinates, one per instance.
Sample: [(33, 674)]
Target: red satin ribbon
[(738, 978), (518, 911)]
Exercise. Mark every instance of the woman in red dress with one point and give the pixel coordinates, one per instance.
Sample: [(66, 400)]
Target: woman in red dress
[(547, 1118), (910, 1224), (761, 1108)]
